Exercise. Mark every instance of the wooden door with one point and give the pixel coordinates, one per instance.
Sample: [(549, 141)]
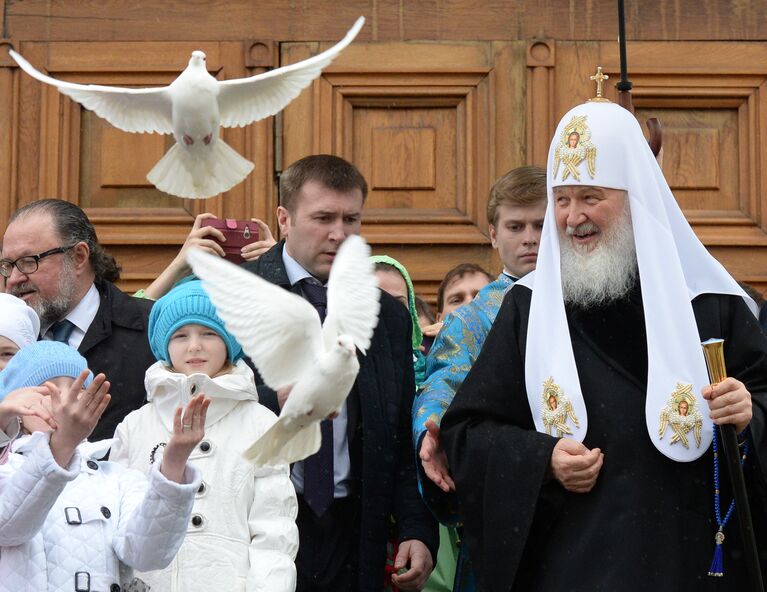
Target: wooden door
[(431, 125)]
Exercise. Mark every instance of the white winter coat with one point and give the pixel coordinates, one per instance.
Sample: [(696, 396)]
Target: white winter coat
[(242, 534), (84, 527)]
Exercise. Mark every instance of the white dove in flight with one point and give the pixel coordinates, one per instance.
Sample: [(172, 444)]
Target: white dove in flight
[(192, 108), (282, 334)]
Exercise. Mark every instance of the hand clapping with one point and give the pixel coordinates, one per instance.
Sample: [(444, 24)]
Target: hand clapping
[(76, 412)]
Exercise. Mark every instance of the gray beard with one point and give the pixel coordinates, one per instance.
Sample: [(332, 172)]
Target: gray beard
[(54, 309), (607, 273)]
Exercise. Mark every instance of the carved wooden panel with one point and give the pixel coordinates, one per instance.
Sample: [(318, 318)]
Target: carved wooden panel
[(71, 153), (396, 136)]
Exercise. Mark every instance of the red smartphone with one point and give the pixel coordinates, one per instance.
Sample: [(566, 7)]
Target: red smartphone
[(238, 233)]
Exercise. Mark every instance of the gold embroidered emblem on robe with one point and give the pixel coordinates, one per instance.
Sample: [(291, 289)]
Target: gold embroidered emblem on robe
[(682, 415), (556, 410)]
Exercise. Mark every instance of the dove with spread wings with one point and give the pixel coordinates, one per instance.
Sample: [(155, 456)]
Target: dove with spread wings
[(283, 335), (193, 108)]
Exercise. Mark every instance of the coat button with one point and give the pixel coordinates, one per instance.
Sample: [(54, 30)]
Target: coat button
[(105, 511), (92, 465), (205, 446), (114, 588), (201, 488), (193, 390), (197, 520)]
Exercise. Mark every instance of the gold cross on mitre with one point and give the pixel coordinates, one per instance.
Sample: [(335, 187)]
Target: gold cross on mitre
[(599, 78)]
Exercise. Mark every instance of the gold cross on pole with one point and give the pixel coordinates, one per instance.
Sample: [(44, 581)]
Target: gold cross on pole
[(599, 78)]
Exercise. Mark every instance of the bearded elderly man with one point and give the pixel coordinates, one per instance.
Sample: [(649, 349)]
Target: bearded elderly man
[(573, 466), (53, 261)]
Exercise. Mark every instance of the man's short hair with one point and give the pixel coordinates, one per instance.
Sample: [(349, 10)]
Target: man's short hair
[(73, 226), (522, 186), (456, 274), (331, 171)]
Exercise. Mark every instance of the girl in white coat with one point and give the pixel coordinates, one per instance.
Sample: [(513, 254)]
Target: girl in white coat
[(69, 521), (242, 534)]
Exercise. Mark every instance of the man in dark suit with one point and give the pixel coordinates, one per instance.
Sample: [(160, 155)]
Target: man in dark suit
[(359, 491), (53, 261)]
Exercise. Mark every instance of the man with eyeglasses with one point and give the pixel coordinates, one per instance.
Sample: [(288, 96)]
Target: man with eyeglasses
[(52, 260)]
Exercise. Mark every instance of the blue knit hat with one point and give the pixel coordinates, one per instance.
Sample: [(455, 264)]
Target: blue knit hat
[(41, 361), (186, 304)]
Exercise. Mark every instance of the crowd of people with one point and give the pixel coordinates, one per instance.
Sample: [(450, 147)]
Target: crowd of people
[(514, 440)]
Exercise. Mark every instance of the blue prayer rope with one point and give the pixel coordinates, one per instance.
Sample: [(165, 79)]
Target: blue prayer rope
[(717, 565)]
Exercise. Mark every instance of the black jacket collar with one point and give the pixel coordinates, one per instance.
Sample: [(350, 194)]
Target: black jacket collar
[(115, 308), (270, 266)]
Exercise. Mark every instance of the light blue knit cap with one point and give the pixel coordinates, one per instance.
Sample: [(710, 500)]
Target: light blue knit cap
[(41, 361), (186, 304)]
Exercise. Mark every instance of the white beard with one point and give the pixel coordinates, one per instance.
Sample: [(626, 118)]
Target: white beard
[(607, 273)]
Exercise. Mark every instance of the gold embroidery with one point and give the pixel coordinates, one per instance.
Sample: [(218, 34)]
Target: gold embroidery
[(556, 409), (682, 414), (574, 147)]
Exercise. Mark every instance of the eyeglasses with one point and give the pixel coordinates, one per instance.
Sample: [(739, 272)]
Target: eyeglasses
[(29, 263)]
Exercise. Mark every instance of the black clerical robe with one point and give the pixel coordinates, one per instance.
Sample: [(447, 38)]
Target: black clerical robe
[(648, 524)]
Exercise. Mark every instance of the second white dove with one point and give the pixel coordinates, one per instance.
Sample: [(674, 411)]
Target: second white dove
[(281, 332)]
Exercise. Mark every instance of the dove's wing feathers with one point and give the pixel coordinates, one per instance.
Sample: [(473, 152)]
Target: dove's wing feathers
[(129, 109), (285, 443), (279, 331), (353, 294), (245, 100)]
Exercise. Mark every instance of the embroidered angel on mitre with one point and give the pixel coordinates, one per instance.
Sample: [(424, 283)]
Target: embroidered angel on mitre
[(556, 410), (574, 147), (681, 413)]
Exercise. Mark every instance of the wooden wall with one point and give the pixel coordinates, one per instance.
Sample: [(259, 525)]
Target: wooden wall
[(433, 102)]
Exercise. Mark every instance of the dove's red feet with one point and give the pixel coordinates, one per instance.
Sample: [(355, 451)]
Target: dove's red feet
[(188, 140), (207, 139)]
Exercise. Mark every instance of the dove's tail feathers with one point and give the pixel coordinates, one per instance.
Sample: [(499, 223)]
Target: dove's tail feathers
[(284, 444), (198, 176)]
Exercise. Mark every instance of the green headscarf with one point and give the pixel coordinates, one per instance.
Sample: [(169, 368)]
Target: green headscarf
[(419, 361)]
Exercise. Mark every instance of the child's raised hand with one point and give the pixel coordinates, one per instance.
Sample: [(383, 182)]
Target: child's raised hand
[(76, 413), (27, 401), (188, 430)]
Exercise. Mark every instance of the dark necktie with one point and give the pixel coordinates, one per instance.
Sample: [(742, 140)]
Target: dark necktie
[(317, 296), (318, 468), (61, 330)]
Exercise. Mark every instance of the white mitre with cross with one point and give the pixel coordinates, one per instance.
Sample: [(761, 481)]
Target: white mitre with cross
[(601, 144)]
